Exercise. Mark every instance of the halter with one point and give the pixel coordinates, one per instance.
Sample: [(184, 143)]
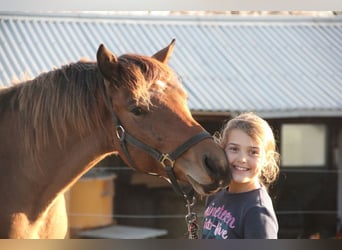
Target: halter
[(166, 160)]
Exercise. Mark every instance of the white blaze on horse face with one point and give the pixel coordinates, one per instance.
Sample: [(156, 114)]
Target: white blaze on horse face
[(162, 85)]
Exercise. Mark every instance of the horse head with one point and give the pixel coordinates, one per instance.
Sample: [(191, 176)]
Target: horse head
[(150, 115)]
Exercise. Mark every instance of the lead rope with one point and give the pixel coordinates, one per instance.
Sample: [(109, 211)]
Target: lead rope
[(191, 220)]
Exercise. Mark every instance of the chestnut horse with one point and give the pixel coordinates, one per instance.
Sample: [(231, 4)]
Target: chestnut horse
[(57, 126)]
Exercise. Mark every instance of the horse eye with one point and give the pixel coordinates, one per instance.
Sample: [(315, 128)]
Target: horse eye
[(138, 111)]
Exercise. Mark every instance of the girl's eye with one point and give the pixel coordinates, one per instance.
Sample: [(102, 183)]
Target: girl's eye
[(138, 111), (232, 149), (254, 152)]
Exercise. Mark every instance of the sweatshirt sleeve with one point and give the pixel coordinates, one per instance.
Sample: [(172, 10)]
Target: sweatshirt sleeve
[(260, 223)]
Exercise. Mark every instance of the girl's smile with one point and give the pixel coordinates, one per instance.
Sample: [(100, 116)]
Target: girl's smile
[(240, 168)]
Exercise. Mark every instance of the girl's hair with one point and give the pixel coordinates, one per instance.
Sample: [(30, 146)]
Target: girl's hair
[(259, 130)]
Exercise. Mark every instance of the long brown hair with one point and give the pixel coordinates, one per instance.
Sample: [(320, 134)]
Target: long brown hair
[(259, 130)]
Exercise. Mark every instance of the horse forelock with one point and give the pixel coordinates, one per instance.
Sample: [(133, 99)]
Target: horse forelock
[(56, 101), (144, 77)]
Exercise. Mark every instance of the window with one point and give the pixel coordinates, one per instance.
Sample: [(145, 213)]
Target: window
[(303, 145)]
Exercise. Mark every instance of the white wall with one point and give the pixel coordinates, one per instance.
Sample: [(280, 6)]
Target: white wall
[(191, 5)]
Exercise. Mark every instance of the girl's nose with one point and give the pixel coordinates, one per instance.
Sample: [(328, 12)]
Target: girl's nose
[(242, 157)]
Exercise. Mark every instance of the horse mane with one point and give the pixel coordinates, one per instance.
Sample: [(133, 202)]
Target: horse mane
[(68, 97), (55, 101)]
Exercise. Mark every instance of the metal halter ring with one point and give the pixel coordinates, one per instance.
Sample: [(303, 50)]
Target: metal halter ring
[(120, 133), (164, 158)]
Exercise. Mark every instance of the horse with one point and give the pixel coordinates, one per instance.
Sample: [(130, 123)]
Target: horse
[(57, 126)]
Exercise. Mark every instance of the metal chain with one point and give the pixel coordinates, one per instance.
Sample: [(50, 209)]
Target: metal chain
[(191, 220)]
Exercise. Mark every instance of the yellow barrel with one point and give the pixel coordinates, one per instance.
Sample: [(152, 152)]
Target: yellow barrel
[(91, 202)]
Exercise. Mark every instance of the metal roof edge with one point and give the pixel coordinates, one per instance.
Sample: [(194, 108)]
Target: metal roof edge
[(170, 17), (275, 114), (300, 113), (210, 113)]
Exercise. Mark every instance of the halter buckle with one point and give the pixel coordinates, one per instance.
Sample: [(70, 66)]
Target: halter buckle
[(165, 158), (120, 133)]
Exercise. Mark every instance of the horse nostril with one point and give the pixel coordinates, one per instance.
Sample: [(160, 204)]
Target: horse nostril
[(220, 175), (210, 167)]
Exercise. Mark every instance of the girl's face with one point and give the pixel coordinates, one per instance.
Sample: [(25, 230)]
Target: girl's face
[(246, 158)]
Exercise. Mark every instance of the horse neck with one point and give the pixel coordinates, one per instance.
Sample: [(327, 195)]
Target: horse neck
[(66, 165), (60, 167)]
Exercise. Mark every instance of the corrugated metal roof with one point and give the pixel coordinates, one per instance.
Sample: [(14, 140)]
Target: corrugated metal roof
[(275, 66)]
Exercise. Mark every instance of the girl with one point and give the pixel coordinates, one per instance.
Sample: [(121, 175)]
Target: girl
[(244, 209)]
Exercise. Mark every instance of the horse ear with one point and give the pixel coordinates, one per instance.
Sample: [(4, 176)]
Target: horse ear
[(164, 54), (106, 61)]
